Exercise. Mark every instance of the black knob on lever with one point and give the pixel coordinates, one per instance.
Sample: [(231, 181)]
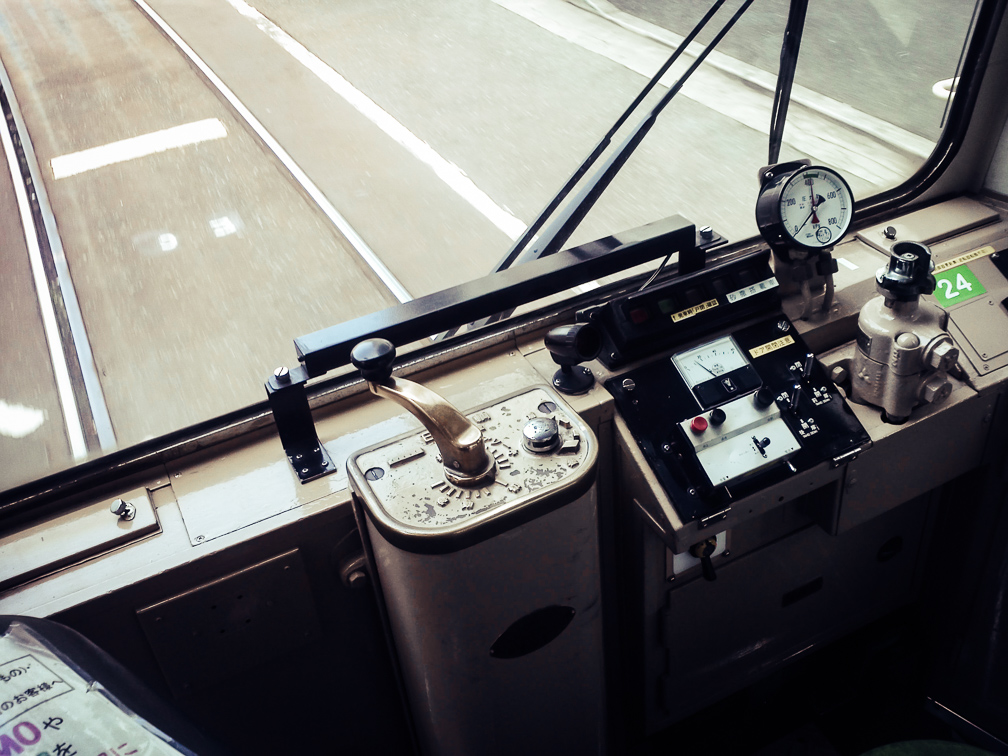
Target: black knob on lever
[(374, 359), (569, 346), (764, 397), (703, 551)]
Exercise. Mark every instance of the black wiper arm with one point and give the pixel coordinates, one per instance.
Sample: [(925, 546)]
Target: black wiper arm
[(559, 231), (790, 46), (533, 229)]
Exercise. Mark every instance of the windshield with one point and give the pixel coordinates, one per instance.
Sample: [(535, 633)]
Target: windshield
[(191, 184)]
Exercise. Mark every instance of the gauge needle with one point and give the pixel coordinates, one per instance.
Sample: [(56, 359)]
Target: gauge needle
[(706, 368), (815, 218), (807, 219)]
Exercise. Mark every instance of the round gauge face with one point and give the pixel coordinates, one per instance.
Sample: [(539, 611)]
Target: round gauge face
[(710, 360), (815, 205)]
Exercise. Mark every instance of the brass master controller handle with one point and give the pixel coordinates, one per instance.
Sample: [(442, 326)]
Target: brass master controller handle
[(465, 458)]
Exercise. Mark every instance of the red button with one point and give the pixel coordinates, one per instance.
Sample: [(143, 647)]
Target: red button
[(639, 315), (699, 425)]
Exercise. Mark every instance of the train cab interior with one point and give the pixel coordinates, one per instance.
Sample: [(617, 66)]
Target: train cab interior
[(658, 482)]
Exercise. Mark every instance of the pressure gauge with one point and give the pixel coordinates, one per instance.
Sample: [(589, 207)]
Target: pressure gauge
[(809, 207)]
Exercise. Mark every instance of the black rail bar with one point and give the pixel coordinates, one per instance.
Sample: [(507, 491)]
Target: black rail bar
[(328, 349)]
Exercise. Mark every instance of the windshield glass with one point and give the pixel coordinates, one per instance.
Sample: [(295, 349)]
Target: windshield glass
[(190, 184)]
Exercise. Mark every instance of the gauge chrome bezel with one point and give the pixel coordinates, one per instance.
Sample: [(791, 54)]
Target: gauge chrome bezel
[(768, 209)]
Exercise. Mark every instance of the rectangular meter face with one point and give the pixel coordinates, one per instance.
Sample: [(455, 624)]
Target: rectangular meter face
[(717, 371)]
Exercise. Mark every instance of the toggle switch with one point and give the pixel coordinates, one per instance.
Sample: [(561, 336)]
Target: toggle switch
[(795, 396), (809, 363)]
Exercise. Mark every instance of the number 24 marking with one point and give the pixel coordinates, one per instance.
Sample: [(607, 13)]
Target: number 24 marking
[(960, 285)]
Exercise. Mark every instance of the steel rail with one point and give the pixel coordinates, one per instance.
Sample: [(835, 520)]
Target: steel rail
[(43, 238), (270, 142)]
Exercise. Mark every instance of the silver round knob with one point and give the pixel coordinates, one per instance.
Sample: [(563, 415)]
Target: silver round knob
[(541, 435)]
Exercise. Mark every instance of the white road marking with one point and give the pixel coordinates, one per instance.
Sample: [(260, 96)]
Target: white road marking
[(168, 242), (847, 263), (311, 189), (447, 171), (17, 421), (74, 429), (223, 226), (138, 146)]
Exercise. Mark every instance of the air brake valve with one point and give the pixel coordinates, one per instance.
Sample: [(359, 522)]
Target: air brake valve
[(903, 353)]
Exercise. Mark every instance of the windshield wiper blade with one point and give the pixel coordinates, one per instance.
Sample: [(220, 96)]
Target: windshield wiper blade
[(560, 230), (790, 46), (533, 229)]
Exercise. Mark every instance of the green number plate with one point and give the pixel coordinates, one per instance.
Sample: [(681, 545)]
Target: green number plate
[(956, 285)]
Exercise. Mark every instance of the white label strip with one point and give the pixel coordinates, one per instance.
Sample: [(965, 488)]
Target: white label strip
[(136, 147), (447, 171), (748, 291)]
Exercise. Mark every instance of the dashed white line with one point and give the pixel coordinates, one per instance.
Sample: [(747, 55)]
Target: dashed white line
[(137, 147), (451, 174)]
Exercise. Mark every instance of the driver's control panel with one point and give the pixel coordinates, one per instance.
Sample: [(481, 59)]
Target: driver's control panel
[(739, 438), (725, 416)]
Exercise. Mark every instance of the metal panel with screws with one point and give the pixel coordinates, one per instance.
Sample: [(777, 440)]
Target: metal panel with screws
[(75, 535), (232, 624)]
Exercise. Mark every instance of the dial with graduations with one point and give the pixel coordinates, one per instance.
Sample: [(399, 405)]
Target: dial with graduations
[(809, 208), (711, 360)]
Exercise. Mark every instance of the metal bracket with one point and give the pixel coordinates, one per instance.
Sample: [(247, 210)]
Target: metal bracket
[(711, 519), (288, 399)]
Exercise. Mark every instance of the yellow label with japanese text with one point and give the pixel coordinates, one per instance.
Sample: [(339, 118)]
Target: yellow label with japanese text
[(710, 304), (771, 346), (976, 254)]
